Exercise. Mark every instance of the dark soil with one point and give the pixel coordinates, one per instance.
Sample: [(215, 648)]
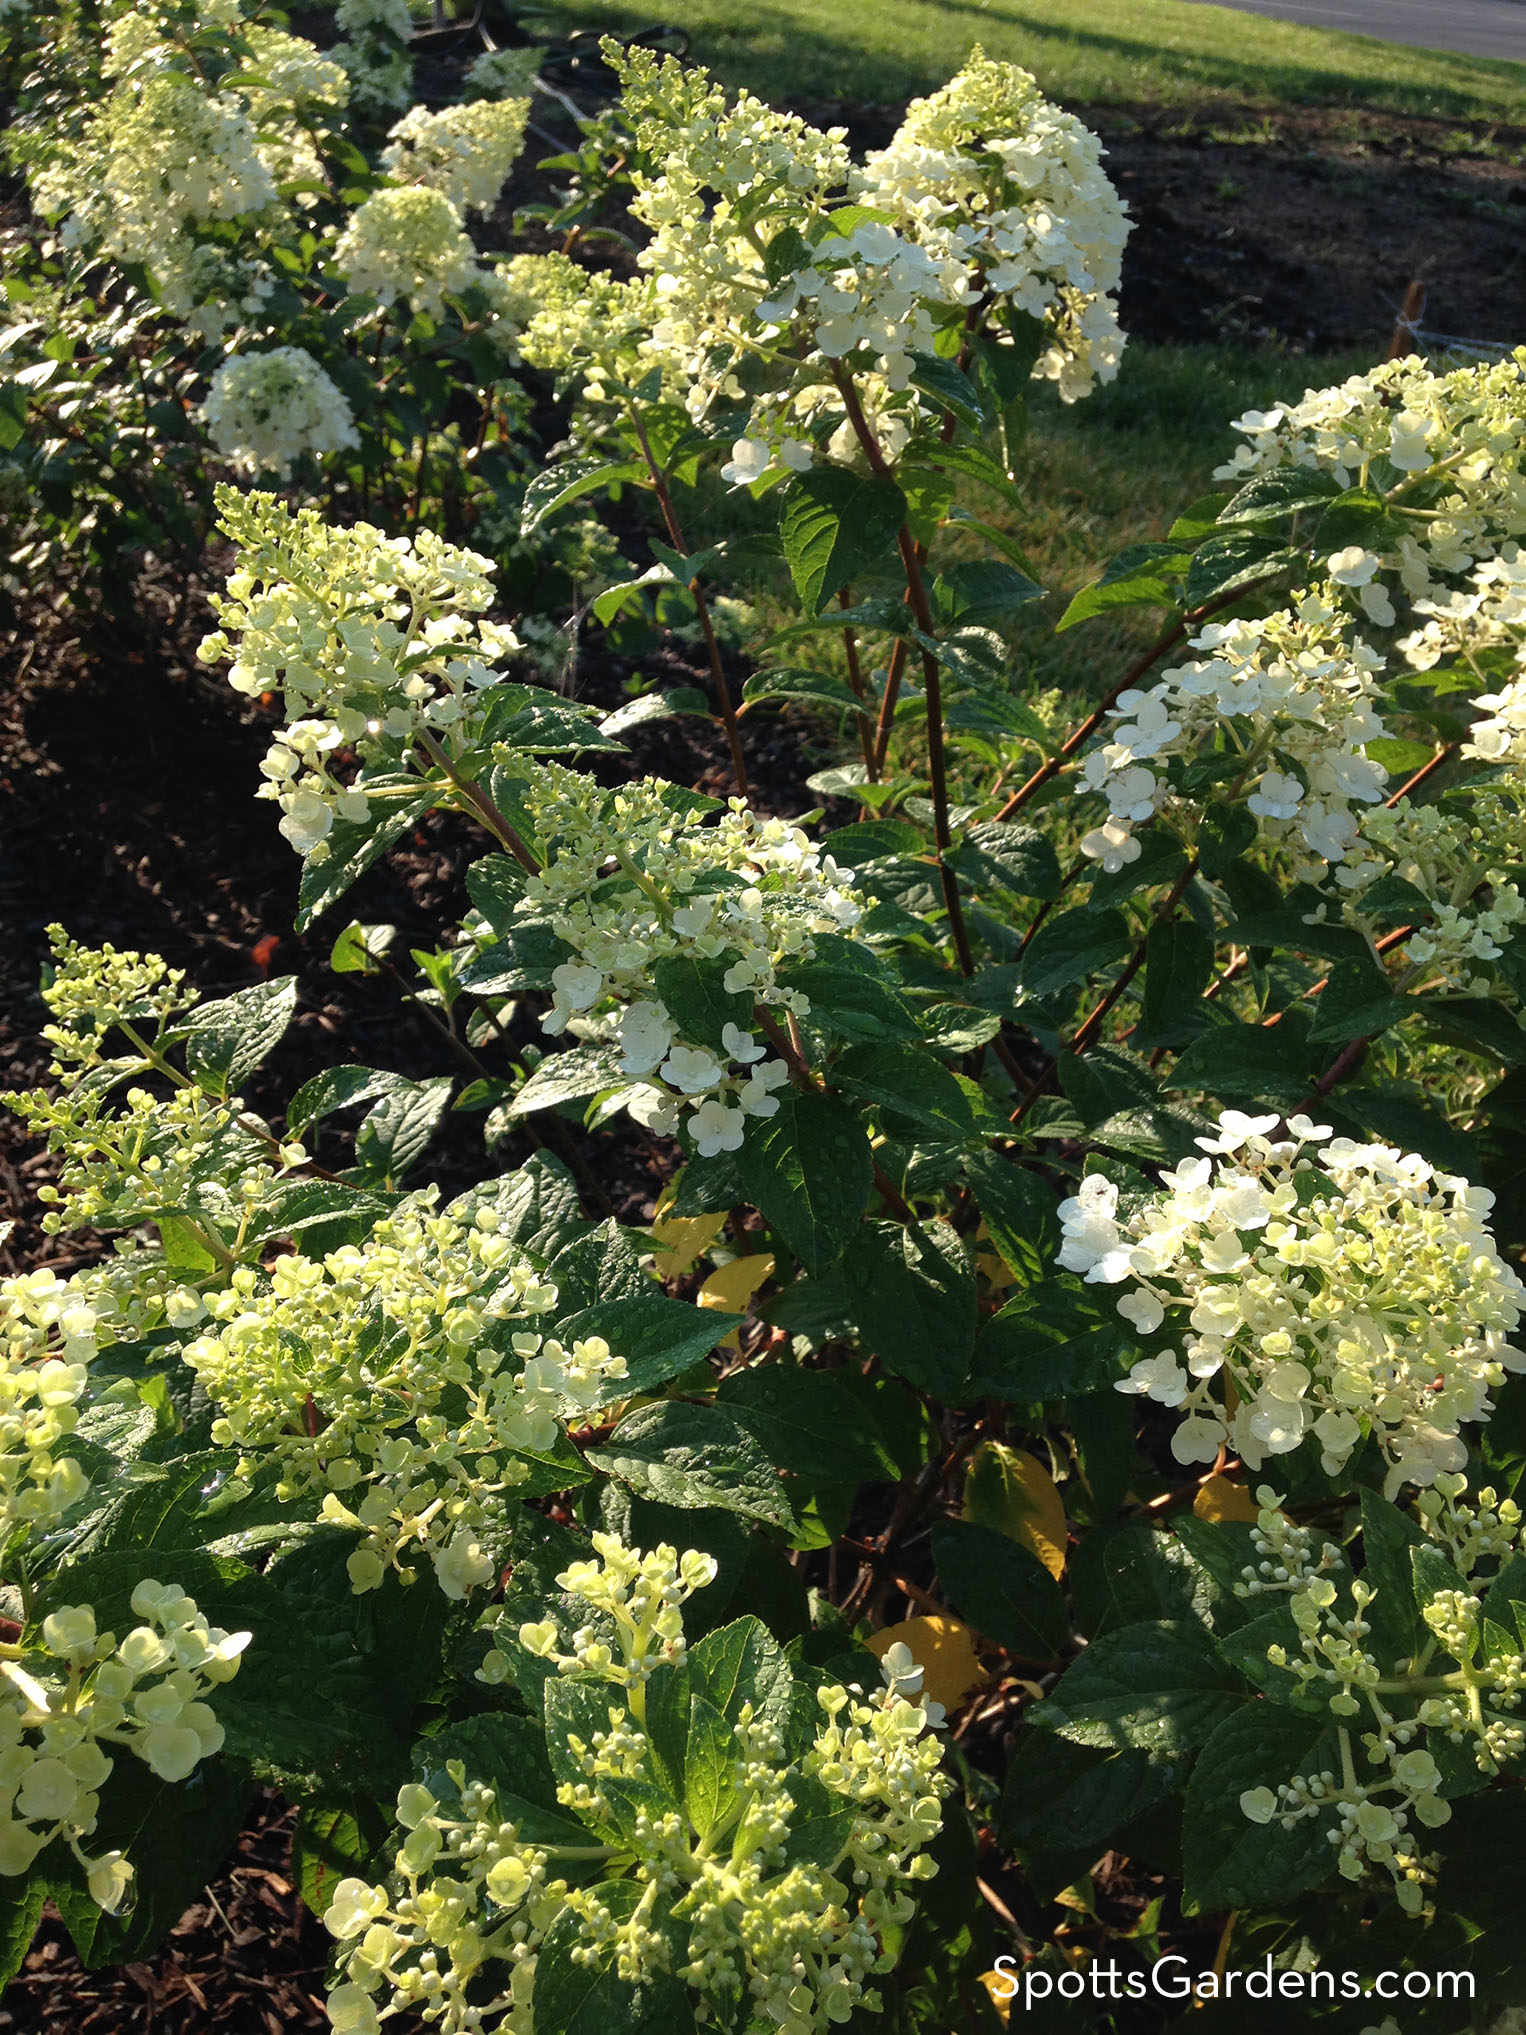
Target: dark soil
[(127, 775)]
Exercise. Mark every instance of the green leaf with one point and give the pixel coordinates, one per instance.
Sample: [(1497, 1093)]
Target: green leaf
[(803, 686), (872, 840), (950, 388), (600, 1263), (1020, 1214), (351, 846), (508, 1755), (739, 1663), (1072, 946), (21, 1904), (536, 722), (1052, 1342), (358, 949), (811, 1422), (1002, 1589), (567, 482), (981, 590), (332, 1843), (176, 1834), (1178, 968), (809, 1170), (1220, 565), (659, 1339), (524, 956), (1063, 1797), (1478, 1024), (850, 1002), (398, 1131), (227, 1040), (996, 854), (911, 1085), (573, 1997), (835, 525), (912, 1293), (1230, 1861), (1239, 1062), (697, 1000), (337, 1088), (1160, 1686), (691, 1457), (568, 1077), (1141, 575), (1272, 496)]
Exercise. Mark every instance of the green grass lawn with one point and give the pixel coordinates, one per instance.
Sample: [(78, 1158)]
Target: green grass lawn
[(1085, 52)]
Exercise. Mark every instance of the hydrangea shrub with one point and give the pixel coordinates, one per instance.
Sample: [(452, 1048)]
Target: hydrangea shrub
[(1091, 1200)]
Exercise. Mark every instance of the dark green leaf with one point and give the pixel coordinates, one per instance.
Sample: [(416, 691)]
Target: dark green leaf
[(1072, 946), (835, 525), (698, 1001), (1230, 1861), (659, 1339), (555, 486), (397, 1132), (1001, 1589), (1141, 575), (981, 590), (351, 846), (694, 1456), (809, 1170), (337, 1088), (810, 1422), (228, 1039), (568, 1077), (912, 1292), (1160, 1686)]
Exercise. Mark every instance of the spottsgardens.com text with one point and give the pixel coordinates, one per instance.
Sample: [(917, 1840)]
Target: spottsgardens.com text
[(1172, 1978)]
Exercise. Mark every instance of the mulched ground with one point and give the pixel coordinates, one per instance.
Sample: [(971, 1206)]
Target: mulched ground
[(127, 774)]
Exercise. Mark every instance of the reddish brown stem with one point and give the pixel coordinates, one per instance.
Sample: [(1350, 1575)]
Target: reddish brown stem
[(932, 681), (1443, 755), (856, 680), (480, 804), (1136, 671)]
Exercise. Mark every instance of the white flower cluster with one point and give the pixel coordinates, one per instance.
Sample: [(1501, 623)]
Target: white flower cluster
[(505, 73), (157, 173), (584, 324), (629, 881), (640, 1595), (422, 1372), (1293, 702), (464, 152), (987, 172), (1472, 1704), (1461, 862), (770, 1943), (48, 1334), (370, 639), (764, 265), (85, 1691), (162, 156), (265, 410), (375, 51), (407, 242), (1444, 449), (1335, 1292)]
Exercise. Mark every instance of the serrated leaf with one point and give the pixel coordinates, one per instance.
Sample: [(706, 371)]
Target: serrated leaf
[(912, 1293), (1230, 1861), (227, 1040), (397, 1132), (338, 1088), (809, 1170), (1002, 1588), (1160, 1686), (834, 526), (569, 481), (693, 1457), (569, 1077), (351, 846)]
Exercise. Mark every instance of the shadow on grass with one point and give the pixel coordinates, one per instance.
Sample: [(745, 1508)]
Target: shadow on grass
[(891, 54)]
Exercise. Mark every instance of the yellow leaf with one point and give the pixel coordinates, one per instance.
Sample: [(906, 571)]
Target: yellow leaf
[(1011, 1492), (999, 1984), (731, 1287), (994, 1271), (683, 1238), (1221, 1499), (944, 1650)]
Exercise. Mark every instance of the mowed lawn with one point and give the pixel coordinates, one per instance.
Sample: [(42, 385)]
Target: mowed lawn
[(1085, 52)]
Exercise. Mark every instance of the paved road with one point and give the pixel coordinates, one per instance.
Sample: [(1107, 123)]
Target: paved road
[(1480, 28)]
